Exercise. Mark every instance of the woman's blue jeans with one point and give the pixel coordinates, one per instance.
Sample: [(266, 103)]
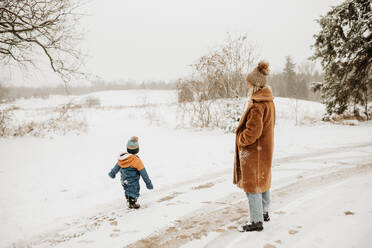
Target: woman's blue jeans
[(258, 204)]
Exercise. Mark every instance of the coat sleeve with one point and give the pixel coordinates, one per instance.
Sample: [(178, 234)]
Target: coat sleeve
[(253, 127), (114, 171), (146, 178)]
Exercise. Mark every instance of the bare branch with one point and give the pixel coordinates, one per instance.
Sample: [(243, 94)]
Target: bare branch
[(50, 26)]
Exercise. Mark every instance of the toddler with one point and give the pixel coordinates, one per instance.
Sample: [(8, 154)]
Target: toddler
[(131, 168)]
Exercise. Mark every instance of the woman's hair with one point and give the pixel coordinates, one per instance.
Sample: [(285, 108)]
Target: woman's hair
[(254, 89)]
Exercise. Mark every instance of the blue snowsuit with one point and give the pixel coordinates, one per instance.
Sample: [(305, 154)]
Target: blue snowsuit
[(131, 168)]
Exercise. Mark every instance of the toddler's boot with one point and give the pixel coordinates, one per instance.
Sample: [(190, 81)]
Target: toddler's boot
[(133, 203)]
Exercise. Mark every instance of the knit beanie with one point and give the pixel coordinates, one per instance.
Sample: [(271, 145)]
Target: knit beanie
[(258, 76), (132, 145)]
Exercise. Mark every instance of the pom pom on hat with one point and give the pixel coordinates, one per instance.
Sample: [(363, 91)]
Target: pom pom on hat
[(263, 67), (258, 76), (133, 143)]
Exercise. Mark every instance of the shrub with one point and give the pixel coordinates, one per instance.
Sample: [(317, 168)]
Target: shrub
[(91, 102), (65, 122), (5, 118)]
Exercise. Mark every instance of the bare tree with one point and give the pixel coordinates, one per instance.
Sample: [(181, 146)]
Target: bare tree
[(224, 69), (29, 28), (219, 74)]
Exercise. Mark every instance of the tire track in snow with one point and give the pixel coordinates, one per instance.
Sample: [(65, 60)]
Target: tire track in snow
[(276, 162), (319, 153)]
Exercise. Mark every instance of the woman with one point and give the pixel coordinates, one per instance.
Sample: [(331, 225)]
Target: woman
[(254, 146)]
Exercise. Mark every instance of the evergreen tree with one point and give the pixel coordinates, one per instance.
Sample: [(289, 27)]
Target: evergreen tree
[(344, 48), (290, 77)]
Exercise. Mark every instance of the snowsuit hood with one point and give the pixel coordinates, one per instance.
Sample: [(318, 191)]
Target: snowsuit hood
[(126, 160)]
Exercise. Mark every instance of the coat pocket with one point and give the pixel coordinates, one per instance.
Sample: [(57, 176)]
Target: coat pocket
[(248, 147)]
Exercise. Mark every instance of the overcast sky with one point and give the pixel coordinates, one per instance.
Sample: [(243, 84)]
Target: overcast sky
[(159, 39)]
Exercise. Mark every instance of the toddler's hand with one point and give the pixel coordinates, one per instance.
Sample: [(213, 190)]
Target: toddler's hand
[(149, 186), (111, 175)]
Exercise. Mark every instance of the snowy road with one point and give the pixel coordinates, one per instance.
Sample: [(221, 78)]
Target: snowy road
[(205, 213)]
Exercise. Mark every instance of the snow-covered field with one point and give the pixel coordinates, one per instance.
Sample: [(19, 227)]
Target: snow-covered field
[(108, 98), (55, 191)]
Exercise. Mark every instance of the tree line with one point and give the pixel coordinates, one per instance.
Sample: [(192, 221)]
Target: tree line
[(14, 92)]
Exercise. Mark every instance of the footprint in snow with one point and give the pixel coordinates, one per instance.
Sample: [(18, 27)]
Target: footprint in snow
[(114, 235), (204, 186), (280, 212), (349, 213), (171, 229), (292, 232), (269, 246), (170, 197), (113, 223)]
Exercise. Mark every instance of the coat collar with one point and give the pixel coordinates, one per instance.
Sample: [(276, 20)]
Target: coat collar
[(263, 95)]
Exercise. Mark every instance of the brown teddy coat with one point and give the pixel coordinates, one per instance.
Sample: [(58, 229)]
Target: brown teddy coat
[(254, 144)]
